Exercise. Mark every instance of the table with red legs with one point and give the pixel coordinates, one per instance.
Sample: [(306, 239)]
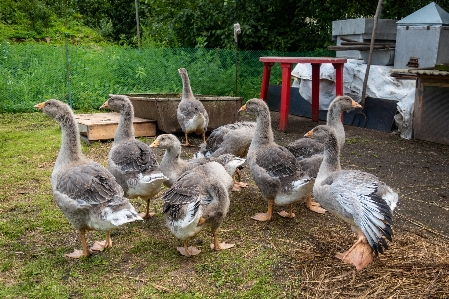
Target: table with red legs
[(286, 66)]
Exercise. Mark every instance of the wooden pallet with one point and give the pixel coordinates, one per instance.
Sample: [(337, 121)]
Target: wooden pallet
[(102, 126)]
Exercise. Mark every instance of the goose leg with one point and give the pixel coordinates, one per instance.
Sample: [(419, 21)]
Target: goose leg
[(238, 185), (147, 214), (290, 213), (265, 216), (237, 182), (217, 245), (314, 206), (204, 137), (80, 253), (187, 140), (188, 251), (360, 254)]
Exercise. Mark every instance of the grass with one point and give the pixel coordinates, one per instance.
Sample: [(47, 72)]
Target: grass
[(280, 259), (143, 262)]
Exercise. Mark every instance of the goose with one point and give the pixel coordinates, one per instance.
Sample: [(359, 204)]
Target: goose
[(232, 139), (131, 161), (357, 197), (86, 192), (192, 116), (173, 166), (309, 152), (305, 147), (273, 168), (198, 199)]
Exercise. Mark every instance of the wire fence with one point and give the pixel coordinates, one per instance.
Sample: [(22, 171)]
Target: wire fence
[(84, 76)]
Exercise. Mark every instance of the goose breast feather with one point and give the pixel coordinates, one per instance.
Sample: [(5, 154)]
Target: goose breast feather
[(188, 109)]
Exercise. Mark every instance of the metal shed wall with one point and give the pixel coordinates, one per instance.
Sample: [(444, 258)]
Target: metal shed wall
[(429, 43), (431, 121)]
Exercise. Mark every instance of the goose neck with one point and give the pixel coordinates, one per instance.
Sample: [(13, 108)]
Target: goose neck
[(186, 88), (125, 128), (172, 156), (263, 134), (331, 160), (70, 145), (333, 114)]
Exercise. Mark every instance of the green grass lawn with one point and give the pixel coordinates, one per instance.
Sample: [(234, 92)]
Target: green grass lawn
[(285, 258)]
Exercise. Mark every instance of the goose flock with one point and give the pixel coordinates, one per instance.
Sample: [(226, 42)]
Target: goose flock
[(196, 193)]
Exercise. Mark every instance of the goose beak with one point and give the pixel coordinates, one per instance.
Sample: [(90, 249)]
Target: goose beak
[(155, 143), (201, 221), (243, 108), (105, 105), (309, 134), (40, 106), (354, 104)]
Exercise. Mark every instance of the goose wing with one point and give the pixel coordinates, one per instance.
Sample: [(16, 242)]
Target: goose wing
[(358, 194), (88, 184), (185, 191), (305, 148), (277, 161), (133, 156)]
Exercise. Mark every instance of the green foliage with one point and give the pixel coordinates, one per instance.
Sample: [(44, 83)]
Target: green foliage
[(266, 24)]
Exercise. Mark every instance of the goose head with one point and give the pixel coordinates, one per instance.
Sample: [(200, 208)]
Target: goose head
[(321, 133), (115, 102), (54, 108), (255, 106), (166, 141), (346, 103)]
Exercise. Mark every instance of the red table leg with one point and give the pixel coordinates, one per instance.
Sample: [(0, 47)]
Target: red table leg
[(265, 80), (339, 82), (315, 91), (285, 95), (338, 78)]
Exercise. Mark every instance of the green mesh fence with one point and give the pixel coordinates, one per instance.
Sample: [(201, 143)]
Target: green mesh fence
[(31, 73)]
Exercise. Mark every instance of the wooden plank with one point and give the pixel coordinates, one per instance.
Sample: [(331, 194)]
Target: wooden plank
[(102, 126)]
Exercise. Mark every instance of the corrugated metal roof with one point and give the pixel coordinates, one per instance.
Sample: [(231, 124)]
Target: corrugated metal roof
[(414, 72), (431, 14), (429, 72)]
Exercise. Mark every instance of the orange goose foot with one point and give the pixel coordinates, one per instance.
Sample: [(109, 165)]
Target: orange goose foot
[(221, 246), (76, 254), (314, 206), (188, 251), (262, 217)]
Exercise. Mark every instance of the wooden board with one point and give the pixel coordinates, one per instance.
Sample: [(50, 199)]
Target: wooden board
[(102, 126)]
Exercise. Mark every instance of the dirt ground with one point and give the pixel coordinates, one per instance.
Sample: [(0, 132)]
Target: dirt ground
[(417, 260), (418, 170)]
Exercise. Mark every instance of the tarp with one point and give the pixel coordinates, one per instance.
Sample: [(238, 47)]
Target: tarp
[(380, 85)]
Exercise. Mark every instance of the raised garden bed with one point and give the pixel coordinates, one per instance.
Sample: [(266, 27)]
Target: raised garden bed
[(163, 107)]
